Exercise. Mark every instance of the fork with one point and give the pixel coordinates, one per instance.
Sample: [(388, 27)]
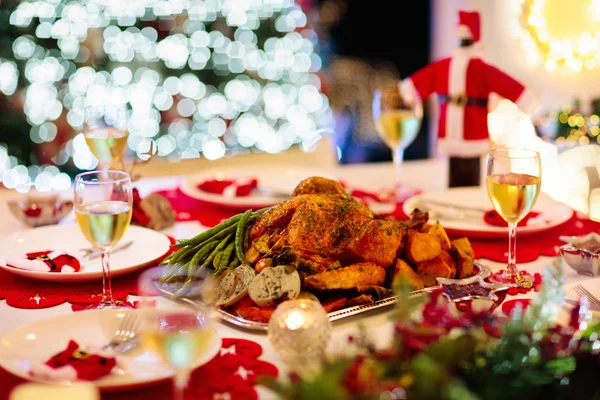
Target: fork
[(92, 252), (122, 339), (584, 292)]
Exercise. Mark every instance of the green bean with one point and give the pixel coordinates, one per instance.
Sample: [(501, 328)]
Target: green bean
[(239, 236), (227, 254), (218, 248), (186, 252), (202, 253), (210, 232), (217, 259), (234, 263)]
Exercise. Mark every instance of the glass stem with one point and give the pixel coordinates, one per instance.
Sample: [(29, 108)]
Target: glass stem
[(107, 296), (398, 157), (511, 269), (180, 381)]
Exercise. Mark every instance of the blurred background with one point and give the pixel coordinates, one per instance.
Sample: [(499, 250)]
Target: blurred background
[(216, 79)]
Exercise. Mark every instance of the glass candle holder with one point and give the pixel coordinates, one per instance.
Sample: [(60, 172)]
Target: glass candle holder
[(300, 330)]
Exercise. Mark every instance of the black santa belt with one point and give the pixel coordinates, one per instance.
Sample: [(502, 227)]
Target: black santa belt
[(462, 100)]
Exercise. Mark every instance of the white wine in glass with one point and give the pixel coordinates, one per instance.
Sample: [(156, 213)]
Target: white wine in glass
[(181, 335), (103, 206), (397, 121), (513, 182), (106, 128)]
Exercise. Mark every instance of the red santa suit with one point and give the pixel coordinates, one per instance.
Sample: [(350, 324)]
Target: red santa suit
[(464, 82)]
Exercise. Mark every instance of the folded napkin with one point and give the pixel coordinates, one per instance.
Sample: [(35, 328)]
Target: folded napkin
[(240, 187), (77, 362), (492, 217), (44, 261)]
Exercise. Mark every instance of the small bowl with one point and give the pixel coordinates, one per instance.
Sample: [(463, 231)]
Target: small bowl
[(40, 211), (582, 253)]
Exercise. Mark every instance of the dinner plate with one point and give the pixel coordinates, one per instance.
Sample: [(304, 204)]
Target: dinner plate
[(273, 179), (463, 208), (147, 247), (592, 285), (38, 341)]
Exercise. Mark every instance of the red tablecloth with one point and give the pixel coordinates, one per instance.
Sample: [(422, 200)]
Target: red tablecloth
[(232, 375)]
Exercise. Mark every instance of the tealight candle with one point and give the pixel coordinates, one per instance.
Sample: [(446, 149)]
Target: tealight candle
[(300, 330)]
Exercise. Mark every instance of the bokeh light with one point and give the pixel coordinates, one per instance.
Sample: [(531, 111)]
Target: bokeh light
[(197, 77)]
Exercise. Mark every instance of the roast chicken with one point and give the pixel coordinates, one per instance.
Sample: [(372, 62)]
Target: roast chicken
[(333, 240)]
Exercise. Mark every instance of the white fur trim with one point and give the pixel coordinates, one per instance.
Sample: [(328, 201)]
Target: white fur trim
[(464, 148), (30, 265), (408, 90), (44, 371), (527, 102), (463, 32), (457, 78)]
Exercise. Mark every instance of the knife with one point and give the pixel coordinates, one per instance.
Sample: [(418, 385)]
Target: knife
[(119, 247), (437, 203)]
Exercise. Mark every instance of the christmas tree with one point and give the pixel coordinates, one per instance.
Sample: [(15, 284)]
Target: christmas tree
[(201, 78)]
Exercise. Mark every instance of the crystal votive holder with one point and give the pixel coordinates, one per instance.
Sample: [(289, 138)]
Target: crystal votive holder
[(300, 330)]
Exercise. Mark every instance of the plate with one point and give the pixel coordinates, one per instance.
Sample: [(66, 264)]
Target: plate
[(236, 320), (592, 285), (471, 223), (271, 178), (147, 246), (41, 339)]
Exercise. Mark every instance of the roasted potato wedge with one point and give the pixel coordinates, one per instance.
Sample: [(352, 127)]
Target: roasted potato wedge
[(464, 256), (422, 247), (442, 266), (404, 275), (438, 230)]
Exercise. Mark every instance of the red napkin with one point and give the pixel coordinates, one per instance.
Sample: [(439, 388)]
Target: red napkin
[(231, 188), (75, 363), (492, 217), (45, 261)]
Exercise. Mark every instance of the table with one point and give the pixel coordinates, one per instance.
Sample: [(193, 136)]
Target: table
[(426, 175)]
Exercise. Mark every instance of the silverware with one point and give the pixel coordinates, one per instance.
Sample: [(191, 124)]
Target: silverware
[(574, 303), (593, 300), (437, 203), (124, 337), (92, 252)]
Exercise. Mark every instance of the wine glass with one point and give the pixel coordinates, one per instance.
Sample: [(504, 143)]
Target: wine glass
[(180, 332), (106, 127), (103, 201), (397, 121), (513, 181)]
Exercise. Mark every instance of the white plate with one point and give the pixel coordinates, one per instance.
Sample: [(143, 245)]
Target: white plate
[(277, 178), (555, 213), (38, 341), (148, 246), (592, 285)]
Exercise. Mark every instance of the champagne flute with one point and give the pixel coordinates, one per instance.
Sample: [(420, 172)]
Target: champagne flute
[(513, 181), (105, 129), (103, 201), (397, 121), (181, 335)]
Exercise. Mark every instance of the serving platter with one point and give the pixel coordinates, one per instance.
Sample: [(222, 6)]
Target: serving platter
[(233, 319)]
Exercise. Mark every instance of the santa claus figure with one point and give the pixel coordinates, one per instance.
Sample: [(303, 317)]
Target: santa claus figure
[(463, 83)]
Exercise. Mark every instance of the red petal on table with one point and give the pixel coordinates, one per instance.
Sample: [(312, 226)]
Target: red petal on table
[(492, 217), (243, 347), (509, 306)]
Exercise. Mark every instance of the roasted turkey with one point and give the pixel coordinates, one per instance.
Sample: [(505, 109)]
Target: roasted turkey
[(322, 229)]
